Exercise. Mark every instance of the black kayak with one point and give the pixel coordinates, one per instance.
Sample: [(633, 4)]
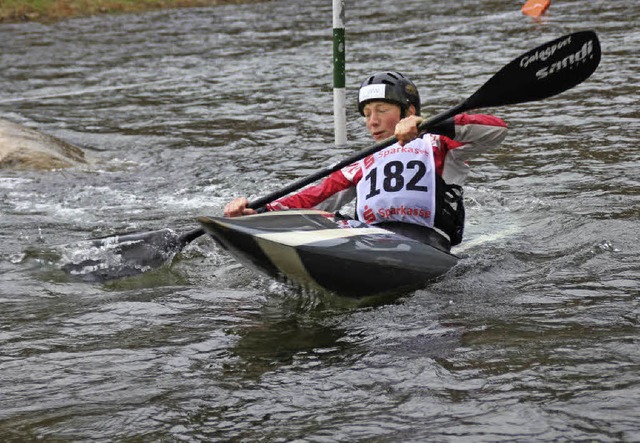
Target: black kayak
[(320, 250)]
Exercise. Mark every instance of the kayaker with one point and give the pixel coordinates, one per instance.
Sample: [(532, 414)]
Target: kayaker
[(412, 187)]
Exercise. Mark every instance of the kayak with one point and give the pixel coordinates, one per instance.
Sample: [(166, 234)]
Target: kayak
[(323, 251)]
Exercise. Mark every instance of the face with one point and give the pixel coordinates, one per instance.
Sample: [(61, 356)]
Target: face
[(381, 119)]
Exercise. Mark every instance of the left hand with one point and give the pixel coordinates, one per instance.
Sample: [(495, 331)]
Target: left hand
[(238, 207), (407, 129)]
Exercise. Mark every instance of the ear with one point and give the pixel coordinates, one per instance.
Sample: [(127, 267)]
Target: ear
[(411, 110)]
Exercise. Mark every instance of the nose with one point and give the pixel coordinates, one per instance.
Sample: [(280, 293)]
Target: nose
[(372, 119)]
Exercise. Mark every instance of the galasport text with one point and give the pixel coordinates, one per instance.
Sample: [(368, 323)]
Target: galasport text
[(543, 54)]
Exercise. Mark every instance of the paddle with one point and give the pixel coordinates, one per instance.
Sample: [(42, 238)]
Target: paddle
[(545, 71)]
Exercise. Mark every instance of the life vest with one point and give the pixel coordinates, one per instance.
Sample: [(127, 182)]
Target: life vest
[(450, 212)]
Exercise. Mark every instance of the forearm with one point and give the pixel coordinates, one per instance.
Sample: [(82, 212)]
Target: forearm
[(314, 196), (474, 134), (481, 130)]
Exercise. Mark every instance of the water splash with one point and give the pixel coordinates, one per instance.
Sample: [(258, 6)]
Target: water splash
[(119, 256)]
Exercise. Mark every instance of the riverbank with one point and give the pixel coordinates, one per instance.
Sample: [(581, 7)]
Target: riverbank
[(14, 11)]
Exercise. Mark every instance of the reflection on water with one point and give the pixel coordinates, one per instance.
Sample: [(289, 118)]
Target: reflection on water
[(533, 337)]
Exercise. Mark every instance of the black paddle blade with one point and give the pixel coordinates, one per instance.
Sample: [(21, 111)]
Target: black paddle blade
[(542, 72), (119, 256)]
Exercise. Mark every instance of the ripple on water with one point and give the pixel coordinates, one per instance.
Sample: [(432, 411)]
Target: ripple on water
[(533, 336)]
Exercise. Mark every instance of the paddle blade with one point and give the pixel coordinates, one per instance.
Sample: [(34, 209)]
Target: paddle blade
[(542, 72), (535, 8), (119, 256)]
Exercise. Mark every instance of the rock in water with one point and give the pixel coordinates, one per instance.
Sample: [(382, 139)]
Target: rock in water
[(24, 148)]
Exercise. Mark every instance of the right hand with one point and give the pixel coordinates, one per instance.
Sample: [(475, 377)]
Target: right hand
[(238, 207), (407, 129)]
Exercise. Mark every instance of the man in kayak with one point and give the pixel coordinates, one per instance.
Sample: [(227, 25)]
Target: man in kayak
[(412, 187)]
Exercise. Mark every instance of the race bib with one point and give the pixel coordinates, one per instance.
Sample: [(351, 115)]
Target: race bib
[(398, 184)]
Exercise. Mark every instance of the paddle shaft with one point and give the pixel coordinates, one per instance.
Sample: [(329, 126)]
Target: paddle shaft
[(545, 71)]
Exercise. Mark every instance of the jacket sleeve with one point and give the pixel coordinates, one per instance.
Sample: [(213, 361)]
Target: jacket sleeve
[(474, 134), (330, 194)]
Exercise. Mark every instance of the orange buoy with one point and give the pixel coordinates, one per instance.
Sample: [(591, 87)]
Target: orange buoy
[(535, 8)]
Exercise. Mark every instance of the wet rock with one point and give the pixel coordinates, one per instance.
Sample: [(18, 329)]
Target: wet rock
[(23, 148)]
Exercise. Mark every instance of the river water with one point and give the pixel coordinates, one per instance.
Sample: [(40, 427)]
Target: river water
[(534, 336)]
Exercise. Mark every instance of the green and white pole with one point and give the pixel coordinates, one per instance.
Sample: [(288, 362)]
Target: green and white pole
[(339, 93)]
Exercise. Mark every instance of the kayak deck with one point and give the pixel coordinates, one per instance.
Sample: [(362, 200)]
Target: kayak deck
[(318, 250)]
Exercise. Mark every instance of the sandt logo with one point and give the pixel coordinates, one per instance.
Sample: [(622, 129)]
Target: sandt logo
[(568, 61)]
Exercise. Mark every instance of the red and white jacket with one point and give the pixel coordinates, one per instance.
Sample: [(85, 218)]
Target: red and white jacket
[(474, 134)]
